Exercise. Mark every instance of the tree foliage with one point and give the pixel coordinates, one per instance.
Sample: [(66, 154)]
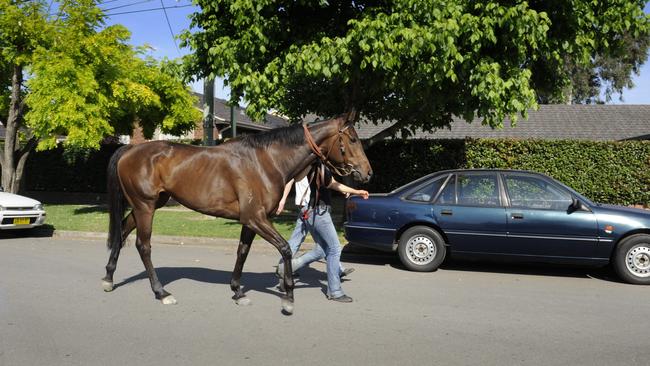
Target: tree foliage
[(416, 62), (66, 74)]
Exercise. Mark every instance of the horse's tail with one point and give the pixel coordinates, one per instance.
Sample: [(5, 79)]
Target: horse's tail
[(116, 200)]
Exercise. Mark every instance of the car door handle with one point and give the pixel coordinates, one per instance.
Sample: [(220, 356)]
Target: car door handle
[(446, 212), (517, 216)]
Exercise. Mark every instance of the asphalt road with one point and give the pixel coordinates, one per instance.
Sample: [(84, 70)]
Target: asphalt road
[(53, 312)]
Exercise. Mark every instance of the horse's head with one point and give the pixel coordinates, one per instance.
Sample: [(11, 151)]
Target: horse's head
[(344, 152)]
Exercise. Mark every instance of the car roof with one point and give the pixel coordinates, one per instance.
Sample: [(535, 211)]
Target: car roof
[(501, 170), (417, 181)]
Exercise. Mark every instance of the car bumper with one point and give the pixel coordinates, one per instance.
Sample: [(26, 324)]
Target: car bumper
[(21, 219)]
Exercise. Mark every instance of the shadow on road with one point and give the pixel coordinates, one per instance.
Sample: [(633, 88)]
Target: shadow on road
[(356, 254), (44, 231), (533, 269), (260, 282)]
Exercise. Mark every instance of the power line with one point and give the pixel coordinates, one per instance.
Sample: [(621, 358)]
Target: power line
[(170, 26), (106, 2), (152, 9), (127, 5)]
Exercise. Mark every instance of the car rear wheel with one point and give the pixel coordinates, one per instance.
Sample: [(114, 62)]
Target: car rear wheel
[(632, 259), (421, 249)]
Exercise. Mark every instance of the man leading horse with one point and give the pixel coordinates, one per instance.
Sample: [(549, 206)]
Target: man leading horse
[(242, 179)]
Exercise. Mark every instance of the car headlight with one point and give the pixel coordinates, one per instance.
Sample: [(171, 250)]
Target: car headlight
[(38, 207), (2, 208)]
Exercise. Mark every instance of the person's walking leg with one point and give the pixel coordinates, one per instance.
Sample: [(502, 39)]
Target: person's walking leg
[(297, 237), (324, 232)]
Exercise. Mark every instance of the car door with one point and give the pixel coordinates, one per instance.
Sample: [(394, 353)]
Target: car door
[(541, 223), (471, 214)]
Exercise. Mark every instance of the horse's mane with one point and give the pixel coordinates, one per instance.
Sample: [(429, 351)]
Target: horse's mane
[(291, 136)]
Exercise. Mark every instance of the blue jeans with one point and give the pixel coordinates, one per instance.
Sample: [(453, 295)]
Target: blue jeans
[(321, 227)]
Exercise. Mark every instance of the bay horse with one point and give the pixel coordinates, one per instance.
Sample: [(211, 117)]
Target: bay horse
[(242, 179)]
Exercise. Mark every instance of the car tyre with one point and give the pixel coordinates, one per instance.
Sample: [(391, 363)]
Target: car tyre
[(421, 249), (632, 259)]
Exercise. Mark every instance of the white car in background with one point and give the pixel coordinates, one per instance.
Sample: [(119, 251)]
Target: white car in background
[(20, 212)]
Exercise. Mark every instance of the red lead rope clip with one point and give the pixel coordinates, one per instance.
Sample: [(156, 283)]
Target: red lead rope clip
[(305, 215)]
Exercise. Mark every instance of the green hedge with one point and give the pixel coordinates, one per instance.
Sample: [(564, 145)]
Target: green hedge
[(608, 172), (60, 170)]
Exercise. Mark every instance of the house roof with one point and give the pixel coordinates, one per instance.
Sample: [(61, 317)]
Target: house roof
[(222, 117), (596, 122)]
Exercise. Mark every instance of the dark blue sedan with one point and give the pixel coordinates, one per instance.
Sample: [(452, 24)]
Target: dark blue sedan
[(511, 214)]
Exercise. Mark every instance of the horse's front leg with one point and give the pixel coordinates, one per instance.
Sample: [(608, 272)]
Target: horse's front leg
[(245, 240), (265, 229)]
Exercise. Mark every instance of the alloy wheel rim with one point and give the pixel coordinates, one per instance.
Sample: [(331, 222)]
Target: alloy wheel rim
[(420, 250), (637, 260)]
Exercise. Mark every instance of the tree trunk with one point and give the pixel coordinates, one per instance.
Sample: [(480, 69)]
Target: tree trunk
[(11, 155)]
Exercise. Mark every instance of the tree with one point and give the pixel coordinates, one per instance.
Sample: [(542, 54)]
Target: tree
[(70, 78), (610, 73), (412, 61)]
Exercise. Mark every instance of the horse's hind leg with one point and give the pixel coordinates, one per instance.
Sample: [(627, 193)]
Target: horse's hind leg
[(128, 224), (245, 239), (144, 222)]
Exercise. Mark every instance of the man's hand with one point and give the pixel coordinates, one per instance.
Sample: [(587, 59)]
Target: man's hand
[(362, 193), (280, 207)]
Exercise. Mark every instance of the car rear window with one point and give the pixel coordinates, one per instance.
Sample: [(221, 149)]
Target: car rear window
[(428, 191)]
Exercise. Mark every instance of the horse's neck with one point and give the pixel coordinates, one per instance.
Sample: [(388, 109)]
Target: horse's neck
[(299, 162), (301, 159)]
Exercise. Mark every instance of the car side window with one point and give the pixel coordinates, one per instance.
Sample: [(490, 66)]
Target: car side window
[(428, 191), (448, 194), (533, 192), (478, 189)]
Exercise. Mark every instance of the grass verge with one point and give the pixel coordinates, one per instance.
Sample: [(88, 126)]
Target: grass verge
[(175, 220)]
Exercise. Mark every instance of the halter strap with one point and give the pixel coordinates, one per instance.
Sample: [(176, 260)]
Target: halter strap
[(312, 144), (316, 150)]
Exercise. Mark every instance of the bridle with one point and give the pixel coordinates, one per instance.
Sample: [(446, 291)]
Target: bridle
[(344, 170)]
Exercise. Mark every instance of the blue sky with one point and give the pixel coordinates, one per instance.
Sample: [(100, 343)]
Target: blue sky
[(151, 27)]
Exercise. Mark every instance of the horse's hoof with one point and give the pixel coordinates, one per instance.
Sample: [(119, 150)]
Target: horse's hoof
[(107, 286), (287, 306), (243, 301), (169, 300)]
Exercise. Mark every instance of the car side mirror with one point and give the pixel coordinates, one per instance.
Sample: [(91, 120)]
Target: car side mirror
[(577, 205)]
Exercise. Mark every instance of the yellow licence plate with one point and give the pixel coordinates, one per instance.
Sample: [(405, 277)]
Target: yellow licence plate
[(21, 221)]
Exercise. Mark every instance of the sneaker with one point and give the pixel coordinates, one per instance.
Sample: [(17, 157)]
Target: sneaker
[(342, 298), (347, 271)]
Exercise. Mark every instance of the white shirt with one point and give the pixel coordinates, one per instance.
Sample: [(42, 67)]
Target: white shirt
[(302, 192)]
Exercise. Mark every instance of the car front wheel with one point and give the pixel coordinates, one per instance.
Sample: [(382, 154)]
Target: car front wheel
[(421, 249), (632, 259)]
